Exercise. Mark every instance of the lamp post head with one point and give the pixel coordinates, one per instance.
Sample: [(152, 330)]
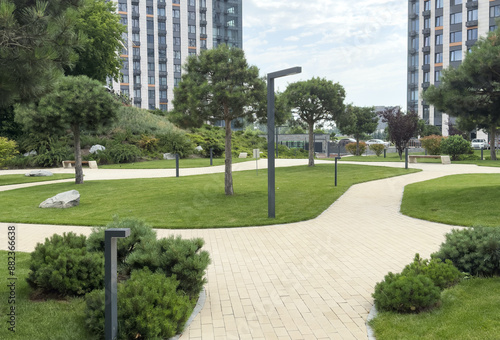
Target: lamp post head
[(286, 72)]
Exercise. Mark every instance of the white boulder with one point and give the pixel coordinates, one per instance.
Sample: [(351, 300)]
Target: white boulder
[(62, 200)]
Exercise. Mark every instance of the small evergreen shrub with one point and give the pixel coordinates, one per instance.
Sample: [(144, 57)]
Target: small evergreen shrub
[(174, 257), (149, 307), (54, 156), (432, 144), (443, 274), (406, 294), (62, 265), (139, 232), (123, 153), (472, 250), (351, 148), (8, 149), (377, 148), (149, 143), (175, 142), (455, 145)]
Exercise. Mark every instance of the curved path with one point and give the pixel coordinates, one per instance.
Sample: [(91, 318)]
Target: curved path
[(305, 280)]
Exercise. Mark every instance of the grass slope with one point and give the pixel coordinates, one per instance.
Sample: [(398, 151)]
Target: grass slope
[(465, 200), (468, 311), (20, 179), (302, 193)]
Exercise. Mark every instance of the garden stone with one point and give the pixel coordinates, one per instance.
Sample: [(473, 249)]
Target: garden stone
[(198, 148), (62, 200), (97, 147), (31, 153), (168, 156), (39, 173)]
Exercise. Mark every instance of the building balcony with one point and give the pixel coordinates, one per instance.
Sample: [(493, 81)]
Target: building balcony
[(413, 33), (203, 9), (413, 86), (203, 35), (136, 43), (412, 68), (426, 14), (412, 50), (137, 72), (426, 31), (426, 49), (162, 73), (161, 18), (135, 14), (470, 43), (471, 23), (162, 60), (425, 85), (137, 86), (135, 30), (161, 5), (136, 58), (413, 16), (426, 67), (471, 4), (203, 22), (163, 87), (137, 100)]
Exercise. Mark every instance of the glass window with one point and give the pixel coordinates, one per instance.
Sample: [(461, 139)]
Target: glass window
[(456, 18), (439, 39), (163, 95), (437, 75), (427, 40), (192, 3), (177, 27), (427, 59), (203, 3), (136, 51), (122, 7), (472, 15), (427, 23), (125, 78), (193, 52), (149, 9), (162, 53), (191, 15), (427, 77), (177, 54), (162, 26), (439, 21), (192, 42), (137, 65), (163, 107), (203, 43), (191, 29), (177, 68), (495, 11), (427, 5), (136, 37), (162, 39), (125, 64), (439, 3), (150, 24), (438, 57), (177, 41), (176, 13), (456, 55), (151, 52), (151, 80), (137, 79), (151, 66), (455, 37), (151, 94), (176, 1), (203, 29), (151, 39), (457, 2), (137, 93), (135, 9), (125, 92), (135, 22), (163, 80), (472, 34), (123, 20), (161, 12), (177, 81), (163, 67)]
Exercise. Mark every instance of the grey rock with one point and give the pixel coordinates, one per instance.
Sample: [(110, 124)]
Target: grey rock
[(97, 147), (168, 156), (198, 148), (31, 153), (62, 200), (39, 173)]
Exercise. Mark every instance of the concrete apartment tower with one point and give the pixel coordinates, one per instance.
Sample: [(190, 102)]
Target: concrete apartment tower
[(161, 34), (440, 33)]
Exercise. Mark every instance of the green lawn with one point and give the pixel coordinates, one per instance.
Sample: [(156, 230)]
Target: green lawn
[(170, 164), (465, 200), (41, 320), (469, 310), (20, 179), (302, 193)]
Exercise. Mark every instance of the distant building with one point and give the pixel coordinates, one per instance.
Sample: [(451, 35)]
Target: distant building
[(439, 35)]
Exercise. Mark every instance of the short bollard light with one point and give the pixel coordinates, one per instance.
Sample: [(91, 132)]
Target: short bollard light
[(110, 281), (336, 159), (176, 165), (406, 158), (211, 156)]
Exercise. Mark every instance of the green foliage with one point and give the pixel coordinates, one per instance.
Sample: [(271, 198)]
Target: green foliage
[(377, 148), (432, 144), (149, 307), (443, 274), (57, 152), (62, 265), (209, 137), (20, 162), (141, 122), (174, 257), (405, 294), (351, 148), (122, 153), (456, 145), (149, 143), (176, 141), (8, 149), (358, 121), (473, 250), (140, 233)]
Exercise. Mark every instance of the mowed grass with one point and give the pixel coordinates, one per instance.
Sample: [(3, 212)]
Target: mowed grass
[(170, 164), (465, 200), (302, 193), (41, 320), (21, 179), (468, 311)]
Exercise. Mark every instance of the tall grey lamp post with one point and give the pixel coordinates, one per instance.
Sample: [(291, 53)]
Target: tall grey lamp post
[(271, 211)]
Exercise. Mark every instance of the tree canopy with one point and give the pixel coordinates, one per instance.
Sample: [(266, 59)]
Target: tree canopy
[(472, 91), (358, 121), (314, 101), (219, 85), (401, 127), (76, 103)]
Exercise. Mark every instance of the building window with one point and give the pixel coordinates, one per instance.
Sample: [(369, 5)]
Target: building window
[(203, 29), (427, 23), (162, 39), (162, 26), (414, 43), (472, 15), (427, 5), (439, 3), (151, 66), (177, 68), (439, 21), (495, 11), (192, 42), (192, 3), (125, 64), (439, 39), (125, 78), (151, 39), (177, 55), (493, 28), (136, 51), (456, 55), (163, 107), (176, 1), (203, 3), (122, 7), (135, 9), (203, 43), (455, 37), (191, 15), (177, 41), (457, 2), (151, 80), (151, 94), (163, 67), (123, 20), (125, 93), (456, 18), (191, 29), (438, 57), (137, 65), (149, 9), (163, 95), (177, 27), (137, 79), (151, 52), (427, 77), (427, 59), (136, 37), (193, 52), (177, 81), (472, 34), (137, 93), (414, 95), (161, 12), (150, 24), (427, 40), (176, 13), (162, 53), (163, 81), (231, 23), (135, 23), (413, 77)]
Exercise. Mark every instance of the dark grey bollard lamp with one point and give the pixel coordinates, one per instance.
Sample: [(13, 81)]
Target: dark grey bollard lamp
[(271, 181), (110, 281)]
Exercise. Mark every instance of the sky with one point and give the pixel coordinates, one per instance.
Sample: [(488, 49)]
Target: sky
[(361, 44)]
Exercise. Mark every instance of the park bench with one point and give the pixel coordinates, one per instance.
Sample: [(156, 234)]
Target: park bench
[(243, 155), (71, 164), (444, 159)]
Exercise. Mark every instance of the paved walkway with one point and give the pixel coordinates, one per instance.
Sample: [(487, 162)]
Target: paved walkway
[(306, 280)]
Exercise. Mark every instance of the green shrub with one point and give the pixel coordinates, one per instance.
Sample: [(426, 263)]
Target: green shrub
[(443, 274), (351, 148), (20, 162), (139, 232), (141, 122), (468, 157), (472, 250), (174, 256), (432, 144), (405, 294), (62, 265), (54, 156), (123, 153), (377, 148), (8, 149), (149, 307), (455, 145), (176, 142)]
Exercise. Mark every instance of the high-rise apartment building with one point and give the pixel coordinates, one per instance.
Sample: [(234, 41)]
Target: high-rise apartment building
[(161, 34), (440, 33)]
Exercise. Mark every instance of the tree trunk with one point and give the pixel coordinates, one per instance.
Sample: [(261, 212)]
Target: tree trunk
[(493, 135), (228, 176), (311, 144), (78, 155), (357, 147)]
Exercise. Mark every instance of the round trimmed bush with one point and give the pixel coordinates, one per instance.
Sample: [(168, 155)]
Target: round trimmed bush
[(405, 294), (443, 274), (455, 145), (62, 265)]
